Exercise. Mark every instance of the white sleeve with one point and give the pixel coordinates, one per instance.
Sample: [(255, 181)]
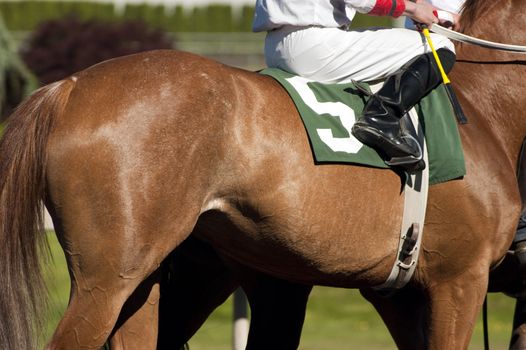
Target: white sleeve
[(362, 6)]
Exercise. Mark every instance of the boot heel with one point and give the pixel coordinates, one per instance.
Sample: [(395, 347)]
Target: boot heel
[(410, 163)]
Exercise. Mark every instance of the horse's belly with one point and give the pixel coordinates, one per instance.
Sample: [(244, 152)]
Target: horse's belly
[(330, 240)]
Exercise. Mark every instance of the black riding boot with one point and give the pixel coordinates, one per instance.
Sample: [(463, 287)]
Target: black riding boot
[(379, 125)]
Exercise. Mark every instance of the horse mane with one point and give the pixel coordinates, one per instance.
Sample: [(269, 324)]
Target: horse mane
[(471, 12)]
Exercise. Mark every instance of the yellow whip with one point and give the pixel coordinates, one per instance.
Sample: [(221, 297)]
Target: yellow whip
[(445, 79), (447, 83)]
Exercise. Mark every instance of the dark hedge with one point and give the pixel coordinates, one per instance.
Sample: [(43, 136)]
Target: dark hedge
[(59, 48)]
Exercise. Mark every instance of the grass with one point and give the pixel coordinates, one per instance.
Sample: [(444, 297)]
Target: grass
[(336, 318)]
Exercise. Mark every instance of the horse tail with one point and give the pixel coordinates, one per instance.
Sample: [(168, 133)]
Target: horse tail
[(22, 236)]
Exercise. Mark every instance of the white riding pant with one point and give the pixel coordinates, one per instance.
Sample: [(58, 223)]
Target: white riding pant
[(333, 55)]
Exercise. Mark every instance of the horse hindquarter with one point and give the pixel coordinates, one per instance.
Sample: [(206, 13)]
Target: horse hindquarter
[(129, 170)]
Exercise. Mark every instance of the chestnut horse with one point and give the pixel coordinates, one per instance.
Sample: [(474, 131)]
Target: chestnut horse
[(133, 155)]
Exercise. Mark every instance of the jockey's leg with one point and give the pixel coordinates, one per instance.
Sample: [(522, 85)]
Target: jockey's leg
[(379, 125)]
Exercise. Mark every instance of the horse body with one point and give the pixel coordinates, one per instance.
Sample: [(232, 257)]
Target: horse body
[(247, 176), (236, 163), (144, 150)]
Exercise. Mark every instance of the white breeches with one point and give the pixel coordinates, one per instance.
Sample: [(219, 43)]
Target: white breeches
[(333, 55)]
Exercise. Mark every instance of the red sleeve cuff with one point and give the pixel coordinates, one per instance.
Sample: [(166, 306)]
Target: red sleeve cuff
[(393, 8)]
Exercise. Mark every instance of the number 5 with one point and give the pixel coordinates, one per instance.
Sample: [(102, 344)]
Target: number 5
[(334, 109)]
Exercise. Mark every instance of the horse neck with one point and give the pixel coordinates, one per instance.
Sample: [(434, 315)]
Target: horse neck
[(492, 82), (500, 21)]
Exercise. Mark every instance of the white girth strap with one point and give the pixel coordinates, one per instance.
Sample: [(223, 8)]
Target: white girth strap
[(415, 203)]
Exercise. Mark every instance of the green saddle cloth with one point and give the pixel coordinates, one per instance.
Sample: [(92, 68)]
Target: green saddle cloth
[(328, 112)]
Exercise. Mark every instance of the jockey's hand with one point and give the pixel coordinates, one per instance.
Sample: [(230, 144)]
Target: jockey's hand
[(421, 12)]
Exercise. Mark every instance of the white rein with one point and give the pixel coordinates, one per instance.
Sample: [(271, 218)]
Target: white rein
[(451, 34)]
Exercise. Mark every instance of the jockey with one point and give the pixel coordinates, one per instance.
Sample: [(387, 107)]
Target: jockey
[(310, 38)]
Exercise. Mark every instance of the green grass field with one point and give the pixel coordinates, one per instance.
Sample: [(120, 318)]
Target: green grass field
[(336, 318)]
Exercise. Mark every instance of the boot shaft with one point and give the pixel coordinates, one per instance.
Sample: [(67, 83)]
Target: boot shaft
[(414, 80)]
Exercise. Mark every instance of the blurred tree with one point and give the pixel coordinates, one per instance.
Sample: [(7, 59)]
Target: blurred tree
[(59, 48), (15, 79)]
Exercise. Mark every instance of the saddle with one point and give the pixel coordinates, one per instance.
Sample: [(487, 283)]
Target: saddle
[(329, 111)]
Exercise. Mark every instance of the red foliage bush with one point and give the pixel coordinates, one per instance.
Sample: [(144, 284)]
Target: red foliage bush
[(59, 48)]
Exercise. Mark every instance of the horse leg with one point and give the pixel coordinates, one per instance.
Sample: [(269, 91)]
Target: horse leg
[(137, 324), (97, 297), (454, 307), (404, 314), (440, 317), (277, 310), (518, 337), (191, 282), (91, 314), (106, 266), (195, 282)]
